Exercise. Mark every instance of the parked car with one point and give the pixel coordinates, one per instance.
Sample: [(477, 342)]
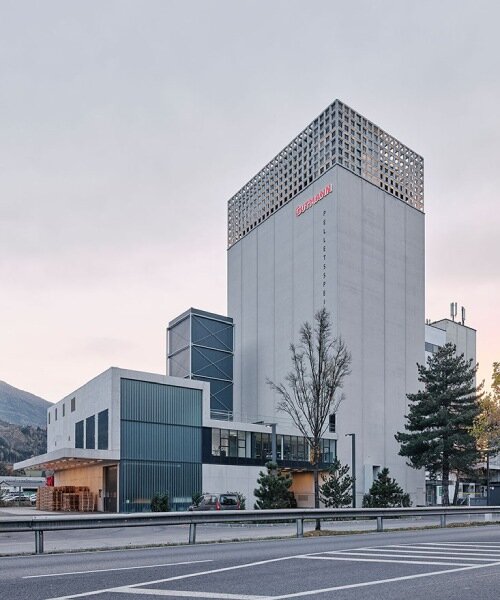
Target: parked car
[(16, 498), (227, 501)]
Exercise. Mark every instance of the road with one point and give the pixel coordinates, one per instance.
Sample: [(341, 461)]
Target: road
[(443, 564)]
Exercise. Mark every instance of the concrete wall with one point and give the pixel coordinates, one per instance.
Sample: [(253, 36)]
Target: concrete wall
[(462, 336), (360, 252), (229, 478), (99, 394)]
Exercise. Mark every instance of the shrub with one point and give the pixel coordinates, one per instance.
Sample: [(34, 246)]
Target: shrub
[(160, 502)]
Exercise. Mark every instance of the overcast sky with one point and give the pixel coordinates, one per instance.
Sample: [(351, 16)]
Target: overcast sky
[(127, 125)]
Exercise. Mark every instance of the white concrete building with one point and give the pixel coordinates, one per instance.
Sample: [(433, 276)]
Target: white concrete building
[(336, 220)]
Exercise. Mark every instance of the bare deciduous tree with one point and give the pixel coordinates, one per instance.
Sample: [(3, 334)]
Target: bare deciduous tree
[(313, 388)]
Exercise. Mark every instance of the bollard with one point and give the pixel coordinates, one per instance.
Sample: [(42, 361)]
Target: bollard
[(442, 521), (380, 524), (300, 528), (38, 542), (192, 533)]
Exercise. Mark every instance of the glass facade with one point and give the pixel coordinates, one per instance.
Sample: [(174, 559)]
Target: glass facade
[(160, 444), (200, 346), (257, 447)]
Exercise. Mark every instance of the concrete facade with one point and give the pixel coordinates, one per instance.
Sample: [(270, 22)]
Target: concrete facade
[(462, 336), (358, 251)]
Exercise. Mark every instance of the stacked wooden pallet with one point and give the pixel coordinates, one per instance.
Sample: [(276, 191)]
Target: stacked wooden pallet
[(65, 498), (86, 501), (49, 498), (70, 502)]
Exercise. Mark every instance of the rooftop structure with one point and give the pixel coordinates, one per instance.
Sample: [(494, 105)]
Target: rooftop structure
[(338, 136)]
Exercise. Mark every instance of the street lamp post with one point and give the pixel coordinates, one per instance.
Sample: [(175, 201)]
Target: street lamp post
[(353, 466)]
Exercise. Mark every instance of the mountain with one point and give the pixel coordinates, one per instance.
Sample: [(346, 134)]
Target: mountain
[(19, 442), (22, 408)]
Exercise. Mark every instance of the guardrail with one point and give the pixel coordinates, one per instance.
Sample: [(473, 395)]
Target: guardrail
[(39, 524)]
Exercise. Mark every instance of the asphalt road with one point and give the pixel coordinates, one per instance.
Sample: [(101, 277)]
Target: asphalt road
[(444, 564)]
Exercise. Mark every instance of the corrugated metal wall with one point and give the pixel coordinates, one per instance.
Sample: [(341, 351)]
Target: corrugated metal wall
[(160, 444)]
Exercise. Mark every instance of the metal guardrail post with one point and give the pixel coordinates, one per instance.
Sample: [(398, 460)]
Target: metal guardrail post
[(300, 528), (442, 520), (38, 542), (380, 524), (192, 533)]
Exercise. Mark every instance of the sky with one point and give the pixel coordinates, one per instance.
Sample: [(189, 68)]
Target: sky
[(127, 125)]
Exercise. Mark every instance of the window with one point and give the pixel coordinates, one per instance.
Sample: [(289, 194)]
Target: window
[(102, 430), (90, 432), (73, 404), (431, 347), (332, 423), (64, 409), (79, 434), (228, 442), (55, 414)]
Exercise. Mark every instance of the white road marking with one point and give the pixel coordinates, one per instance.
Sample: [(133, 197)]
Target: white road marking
[(191, 562), (453, 550), (424, 554), (175, 578), (189, 594), (384, 560), (480, 545), (379, 582)]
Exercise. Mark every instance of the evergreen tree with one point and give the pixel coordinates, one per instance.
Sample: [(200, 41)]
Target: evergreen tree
[(439, 425), (273, 490), (336, 491), (385, 493)]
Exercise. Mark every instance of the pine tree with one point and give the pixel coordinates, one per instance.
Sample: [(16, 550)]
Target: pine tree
[(385, 493), (441, 417), (273, 490), (336, 491)]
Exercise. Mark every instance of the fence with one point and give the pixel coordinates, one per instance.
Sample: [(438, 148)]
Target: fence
[(39, 524)]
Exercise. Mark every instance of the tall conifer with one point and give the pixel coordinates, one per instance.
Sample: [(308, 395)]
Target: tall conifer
[(439, 424)]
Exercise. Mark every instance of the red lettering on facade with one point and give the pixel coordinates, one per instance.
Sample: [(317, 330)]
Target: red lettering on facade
[(301, 208)]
